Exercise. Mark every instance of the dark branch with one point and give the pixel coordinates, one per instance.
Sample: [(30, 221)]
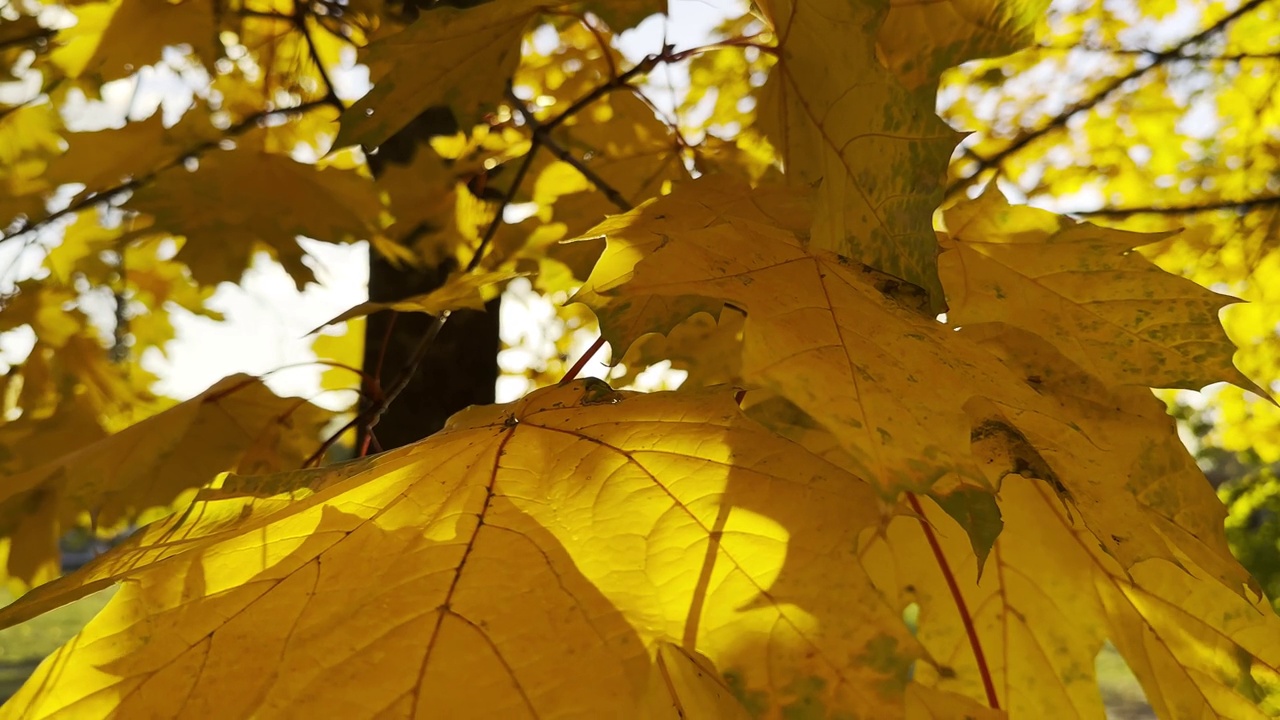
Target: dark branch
[(1157, 59), (1241, 206), (300, 21), (1148, 52), (35, 37), (567, 157), (103, 196)]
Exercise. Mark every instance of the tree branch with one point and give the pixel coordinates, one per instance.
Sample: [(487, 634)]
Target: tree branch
[(35, 37), (369, 417), (1148, 52), (102, 196), (567, 157), (1059, 121), (1242, 206), (300, 22)]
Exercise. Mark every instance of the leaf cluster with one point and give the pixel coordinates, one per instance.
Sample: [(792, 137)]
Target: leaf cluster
[(841, 454)]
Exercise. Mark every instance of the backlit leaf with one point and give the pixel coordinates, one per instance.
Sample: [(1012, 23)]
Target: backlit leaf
[(461, 290), (1112, 311), (954, 32), (235, 425), (919, 406), (456, 58), (113, 39), (843, 124), (1198, 649), (244, 199), (518, 594)]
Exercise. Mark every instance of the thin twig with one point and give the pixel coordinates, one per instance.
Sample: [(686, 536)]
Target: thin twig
[(1060, 120), (567, 157), (33, 38), (104, 196), (300, 21), (369, 417), (1211, 206)]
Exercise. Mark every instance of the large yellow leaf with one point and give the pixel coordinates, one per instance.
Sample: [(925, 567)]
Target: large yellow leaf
[(101, 159), (1049, 598), (527, 562), (906, 396), (456, 58), (1111, 452), (237, 424), (920, 40), (239, 199), (882, 378), (114, 39), (1088, 292), (841, 121), (459, 59)]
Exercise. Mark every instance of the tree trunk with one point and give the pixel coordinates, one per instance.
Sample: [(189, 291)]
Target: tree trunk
[(461, 367)]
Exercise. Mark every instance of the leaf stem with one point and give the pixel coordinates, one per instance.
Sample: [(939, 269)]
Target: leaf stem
[(582, 361), (567, 157), (965, 618)]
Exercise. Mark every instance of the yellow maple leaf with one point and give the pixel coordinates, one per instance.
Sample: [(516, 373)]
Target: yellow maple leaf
[(521, 593), (1088, 292), (455, 58), (242, 199), (460, 290), (710, 350), (235, 425), (100, 160), (906, 396), (1198, 649), (818, 330), (919, 41), (114, 39), (841, 122)]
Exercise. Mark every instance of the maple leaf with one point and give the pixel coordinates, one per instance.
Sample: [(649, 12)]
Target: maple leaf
[(920, 41), (451, 57), (805, 313), (907, 397), (841, 122), (1112, 312), (237, 424), (102, 159), (1198, 649), (468, 55), (460, 290), (239, 200), (710, 350), (111, 40), (519, 594)]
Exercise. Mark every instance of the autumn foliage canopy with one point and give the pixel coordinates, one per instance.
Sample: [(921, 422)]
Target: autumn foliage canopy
[(916, 469)]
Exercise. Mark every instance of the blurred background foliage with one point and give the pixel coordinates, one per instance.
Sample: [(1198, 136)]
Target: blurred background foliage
[(1159, 115)]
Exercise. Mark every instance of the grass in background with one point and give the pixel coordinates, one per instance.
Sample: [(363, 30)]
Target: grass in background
[(23, 647)]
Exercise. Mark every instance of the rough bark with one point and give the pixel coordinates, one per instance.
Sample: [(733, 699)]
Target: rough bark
[(461, 367)]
